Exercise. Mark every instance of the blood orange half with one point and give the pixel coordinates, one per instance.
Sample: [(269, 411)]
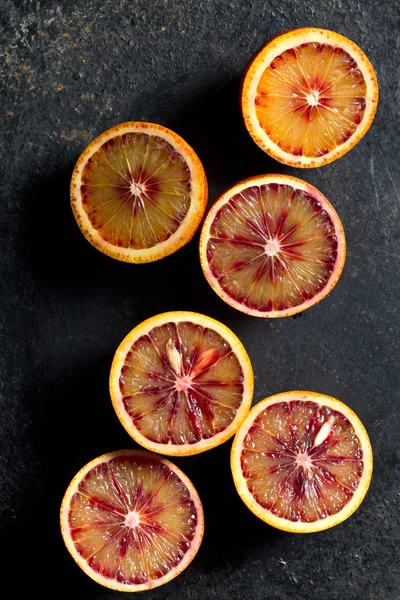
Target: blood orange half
[(181, 383), (138, 192), (272, 246), (302, 461), (132, 520), (309, 96)]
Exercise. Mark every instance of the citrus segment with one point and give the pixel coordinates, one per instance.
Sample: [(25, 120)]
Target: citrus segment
[(138, 192), (272, 246), (309, 96), (302, 461), (131, 520), (181, 383)]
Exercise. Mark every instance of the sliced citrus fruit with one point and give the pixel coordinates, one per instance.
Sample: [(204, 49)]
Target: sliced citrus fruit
[(272, 246), (309, 96), (181, 383), (132, 520), (302, 461), (138, 192)]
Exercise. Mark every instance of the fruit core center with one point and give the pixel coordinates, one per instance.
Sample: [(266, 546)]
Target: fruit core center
[(303, 460), (137, 189), (272, 247), (183, 383), (132, 519), (184, 375), (313, 98)]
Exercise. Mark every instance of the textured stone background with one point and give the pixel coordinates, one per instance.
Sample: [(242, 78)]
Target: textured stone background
[(70, 69)]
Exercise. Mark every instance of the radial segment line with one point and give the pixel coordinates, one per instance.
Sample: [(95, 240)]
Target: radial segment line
[(156, 406), (279, 75), (117, 511), (114, 215), (213, 364), (213, 400), (288, 271), (150, 223), (328, 68), (107, 202), (108, 542), (301, 67), (282, 486), (144, 159), (300, 243), (154, 173), (174, 179), (238, 242), (293, 125), (287, 112), (342, 116), (256, 281), (105, 185), (268, 432), (158, 375), (296, 227), (152, 201), (103, 156), (244, 264)]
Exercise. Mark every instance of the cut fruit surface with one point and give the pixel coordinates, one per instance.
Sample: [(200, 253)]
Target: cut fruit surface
[(131, 520), (138, 192), (302, 461), (181, 383), (272, 246), (309, 96)]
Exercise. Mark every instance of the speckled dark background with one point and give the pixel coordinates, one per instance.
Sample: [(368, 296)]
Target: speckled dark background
[(69, 70)]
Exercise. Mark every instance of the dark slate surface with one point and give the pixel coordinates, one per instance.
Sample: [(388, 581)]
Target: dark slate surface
[(69, 70)]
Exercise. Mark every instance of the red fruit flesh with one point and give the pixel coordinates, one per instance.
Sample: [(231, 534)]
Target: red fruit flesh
[(132, 519), (311, 99), (301, 460), (181, 383), (272, 247), (136, 190)]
